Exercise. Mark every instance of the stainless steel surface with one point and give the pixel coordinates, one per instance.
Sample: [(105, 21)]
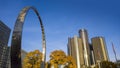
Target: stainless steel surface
[(17, 37)]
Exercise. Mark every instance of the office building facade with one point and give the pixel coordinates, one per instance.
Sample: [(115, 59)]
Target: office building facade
[(75, 49), (79, 47), (4, 37), (86, 47), (92, 57), (8, 57), (99, 49), (87, 54)]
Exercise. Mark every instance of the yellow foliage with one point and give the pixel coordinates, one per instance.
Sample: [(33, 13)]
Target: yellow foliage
[(33, 59), (58, 57), (71, 62)]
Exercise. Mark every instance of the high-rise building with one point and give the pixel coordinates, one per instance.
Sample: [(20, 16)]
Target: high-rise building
[(86, 48), (99, 49), (87, 54), (4, 37), (75, 49), (8, 57)]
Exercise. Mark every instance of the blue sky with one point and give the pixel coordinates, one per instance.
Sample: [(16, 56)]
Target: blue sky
[(63, 19)]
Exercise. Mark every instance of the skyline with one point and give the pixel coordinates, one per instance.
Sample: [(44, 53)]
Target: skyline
[(63, 19)]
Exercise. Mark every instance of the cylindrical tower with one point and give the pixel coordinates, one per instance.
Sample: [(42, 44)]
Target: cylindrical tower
[(86, 48), (100, 49)]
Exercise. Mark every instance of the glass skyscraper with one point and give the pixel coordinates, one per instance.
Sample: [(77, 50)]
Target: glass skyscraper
[(4, 37), (99, 49), (87, 54), (75, 49), (86, 47), (78, 48)]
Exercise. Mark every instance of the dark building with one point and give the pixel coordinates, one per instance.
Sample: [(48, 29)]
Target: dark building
[(4, 37), (8, 57), (99, 49)]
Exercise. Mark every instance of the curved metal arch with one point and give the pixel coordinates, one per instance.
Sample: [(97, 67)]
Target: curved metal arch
[(17, 37)]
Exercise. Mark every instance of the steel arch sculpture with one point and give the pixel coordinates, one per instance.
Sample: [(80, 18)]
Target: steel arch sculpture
[(17, 37)]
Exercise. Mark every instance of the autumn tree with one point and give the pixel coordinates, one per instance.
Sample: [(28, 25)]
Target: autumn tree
[(58, 58), (33, 59), (70, 62)]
